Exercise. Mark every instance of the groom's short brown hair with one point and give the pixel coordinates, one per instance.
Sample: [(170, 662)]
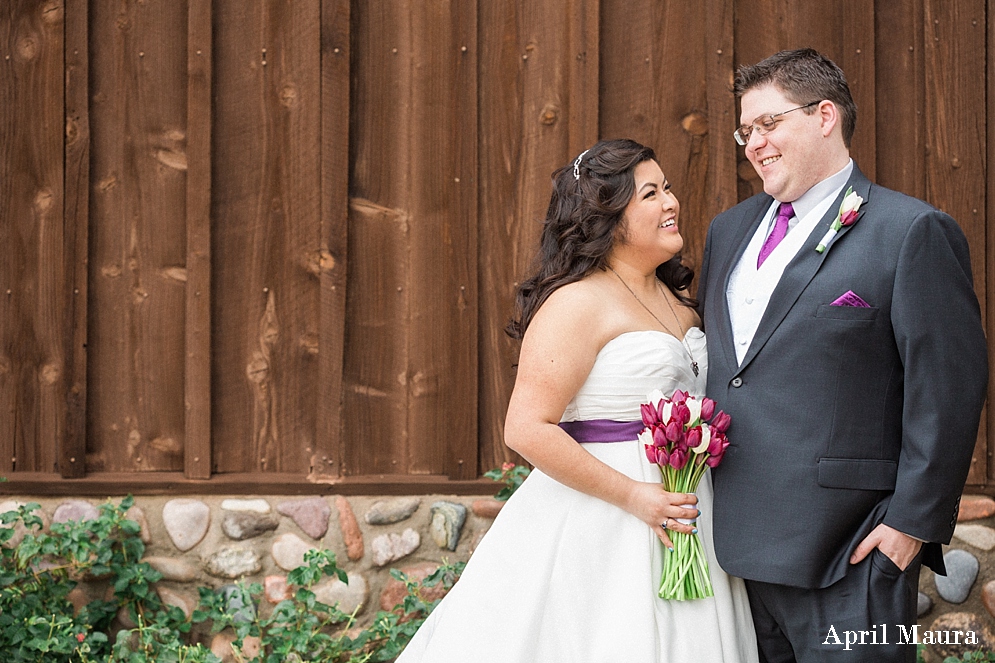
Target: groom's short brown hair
[(804, 75)]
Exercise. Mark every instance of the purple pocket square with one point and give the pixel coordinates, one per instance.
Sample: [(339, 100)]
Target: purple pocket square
[(850, 298)]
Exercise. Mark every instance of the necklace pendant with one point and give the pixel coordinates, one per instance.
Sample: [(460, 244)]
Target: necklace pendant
[(694, 367)]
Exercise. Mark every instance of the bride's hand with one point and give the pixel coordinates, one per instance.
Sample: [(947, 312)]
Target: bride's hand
[(660, 510)]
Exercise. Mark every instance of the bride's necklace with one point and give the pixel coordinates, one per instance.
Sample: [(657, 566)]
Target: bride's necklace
[(694, 364)]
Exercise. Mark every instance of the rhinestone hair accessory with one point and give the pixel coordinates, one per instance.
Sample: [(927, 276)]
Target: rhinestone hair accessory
[(577, 165)]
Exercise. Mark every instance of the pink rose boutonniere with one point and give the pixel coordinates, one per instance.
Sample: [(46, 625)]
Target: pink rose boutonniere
[(847, 217)]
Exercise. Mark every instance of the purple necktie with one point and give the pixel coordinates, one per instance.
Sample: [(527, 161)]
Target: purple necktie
[(777, 234)]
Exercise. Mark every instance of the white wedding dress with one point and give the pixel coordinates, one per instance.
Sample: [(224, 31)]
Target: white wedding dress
[(564, 577)]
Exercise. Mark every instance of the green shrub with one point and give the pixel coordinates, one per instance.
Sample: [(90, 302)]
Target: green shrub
[(38, 623)]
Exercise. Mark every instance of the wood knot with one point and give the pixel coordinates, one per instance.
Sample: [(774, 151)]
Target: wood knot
[(49, 373), (549, 115), (695, 124), (27, 48), (172, 159), (43, 201), (52, 12), (288, 95)]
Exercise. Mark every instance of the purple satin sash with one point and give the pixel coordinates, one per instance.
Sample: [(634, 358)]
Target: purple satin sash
[(602, 430)]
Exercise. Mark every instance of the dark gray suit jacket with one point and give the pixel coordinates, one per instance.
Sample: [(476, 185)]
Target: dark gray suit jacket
[(845, 417)]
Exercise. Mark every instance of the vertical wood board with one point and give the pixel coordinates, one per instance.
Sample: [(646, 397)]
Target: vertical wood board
[(197, 373), (954, 44), (32, 284), (335, 54), (137, 271), (538, 88), (72, 451), (266, 176)]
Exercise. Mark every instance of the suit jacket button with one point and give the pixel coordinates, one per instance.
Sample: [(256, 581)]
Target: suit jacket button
[(737, 382)]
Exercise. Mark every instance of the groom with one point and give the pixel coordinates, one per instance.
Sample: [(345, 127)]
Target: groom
[(855, 377)]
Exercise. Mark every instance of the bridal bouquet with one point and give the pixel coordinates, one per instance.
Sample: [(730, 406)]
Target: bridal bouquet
[(684, 436)]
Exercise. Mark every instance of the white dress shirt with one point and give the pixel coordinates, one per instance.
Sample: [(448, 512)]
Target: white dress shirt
[(750, 288)]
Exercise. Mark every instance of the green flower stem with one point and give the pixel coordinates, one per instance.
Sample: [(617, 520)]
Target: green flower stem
[(685, 569)]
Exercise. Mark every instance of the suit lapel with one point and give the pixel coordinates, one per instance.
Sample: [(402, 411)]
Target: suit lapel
[(752, 217), (803, 267)]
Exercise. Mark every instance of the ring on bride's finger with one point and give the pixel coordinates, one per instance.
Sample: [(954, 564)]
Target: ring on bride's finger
[(664, 525)]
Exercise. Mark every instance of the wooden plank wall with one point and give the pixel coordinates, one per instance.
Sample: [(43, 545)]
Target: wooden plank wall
[(273, 246)]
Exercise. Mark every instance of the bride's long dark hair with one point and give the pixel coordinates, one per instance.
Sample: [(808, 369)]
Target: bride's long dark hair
[(586, 211)]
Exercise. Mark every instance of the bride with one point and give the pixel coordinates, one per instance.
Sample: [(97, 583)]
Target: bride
[(569, 570)]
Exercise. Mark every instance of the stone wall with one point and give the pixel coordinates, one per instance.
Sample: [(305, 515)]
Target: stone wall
[(964, 599), (217, 541)]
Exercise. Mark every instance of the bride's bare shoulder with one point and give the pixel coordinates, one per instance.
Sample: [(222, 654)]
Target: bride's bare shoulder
[(581, 306)]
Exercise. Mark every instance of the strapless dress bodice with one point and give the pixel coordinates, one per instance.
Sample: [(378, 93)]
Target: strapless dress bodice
[(633, 364)]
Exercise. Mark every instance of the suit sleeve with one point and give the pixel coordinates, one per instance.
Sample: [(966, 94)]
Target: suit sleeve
[(703, 277), (940, 339)]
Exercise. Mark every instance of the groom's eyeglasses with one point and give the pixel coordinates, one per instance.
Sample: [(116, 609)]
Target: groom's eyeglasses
[(763, 125)]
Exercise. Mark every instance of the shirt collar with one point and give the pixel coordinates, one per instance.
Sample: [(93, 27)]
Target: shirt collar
[(828, 187)]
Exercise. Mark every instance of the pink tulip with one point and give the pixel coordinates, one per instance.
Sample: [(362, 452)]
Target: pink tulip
[(681, 413), (848, 218), (693, 437), (715, 444), (679, 397), (721, 422), (674, 430), (678, 459), (659, 436), (649, 414), (720, 451), (650, 453), (707, 409)]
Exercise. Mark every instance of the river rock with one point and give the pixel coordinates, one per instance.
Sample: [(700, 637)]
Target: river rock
[(186, 522), (975, 507), (241, 525), (487, 508), (172, 568), (988, 597), (136, 514), (221, 646), (311, 515), (962, 571), (250, 506), (924, 604), (385, 512), (276, 589), (979, 536), (349, 597), (352, 536), (233, 563), (235, 603), (945, 628), (19, 528), (447, 523), (394, 590), (288, 551), (77, 510), (180, 600), (390, 547)]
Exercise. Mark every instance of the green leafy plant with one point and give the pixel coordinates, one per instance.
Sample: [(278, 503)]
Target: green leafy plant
[(37, 619), (39, 624), (972, 657), (392, 630), (301, 626), (511, 476)]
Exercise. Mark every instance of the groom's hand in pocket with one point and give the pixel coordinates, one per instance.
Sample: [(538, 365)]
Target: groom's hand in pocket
[(900, 548)]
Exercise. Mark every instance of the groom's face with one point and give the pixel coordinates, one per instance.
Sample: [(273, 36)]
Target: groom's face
[(790, 158)]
